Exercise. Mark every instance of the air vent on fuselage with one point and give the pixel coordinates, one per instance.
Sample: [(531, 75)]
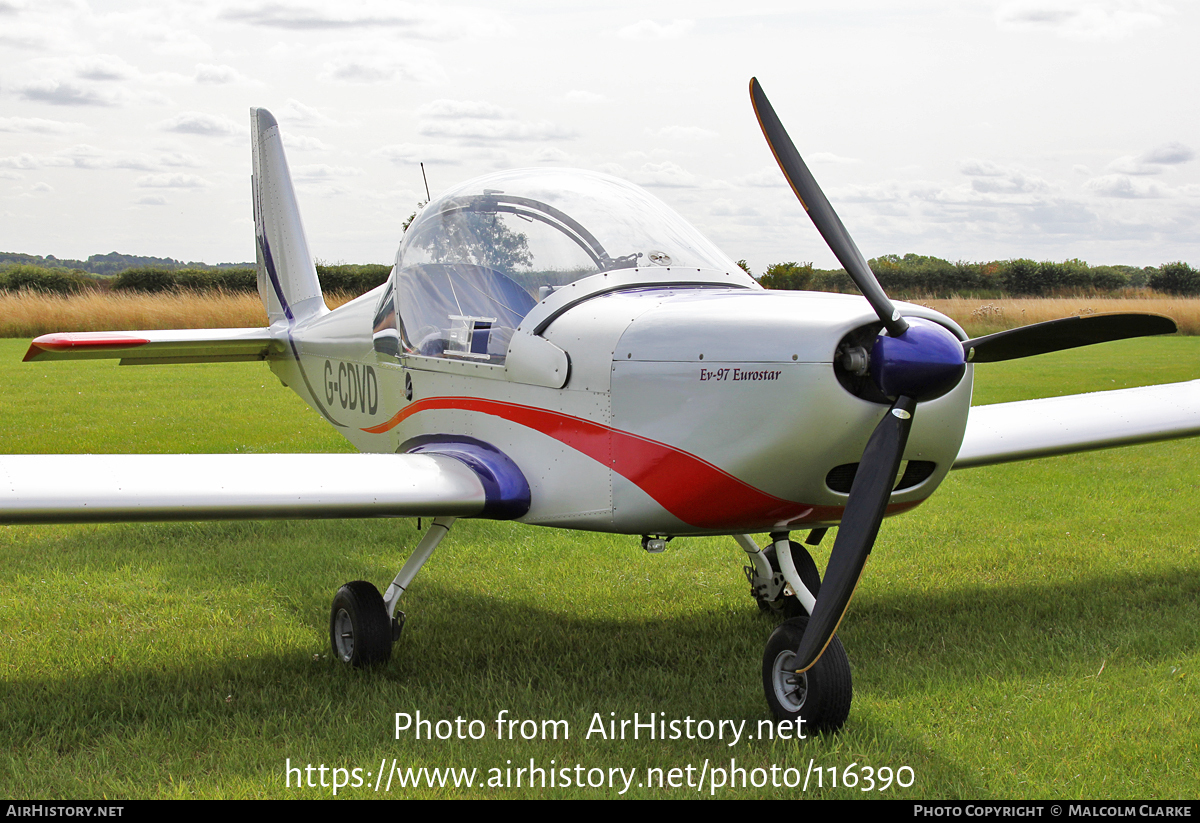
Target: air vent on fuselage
[(840, 478)]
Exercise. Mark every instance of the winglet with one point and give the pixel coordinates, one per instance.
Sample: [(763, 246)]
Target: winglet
[(287, 279)]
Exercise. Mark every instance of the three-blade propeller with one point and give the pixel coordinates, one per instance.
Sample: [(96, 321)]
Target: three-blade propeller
[(916, 360)]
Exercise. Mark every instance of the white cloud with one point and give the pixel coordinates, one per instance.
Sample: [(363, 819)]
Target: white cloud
[(296, 112), (37, 125), (1083, 19), (1152, 161), (87, 80), (175, 180), (20, 161), (424, 21), (24, 34), (102, 67), (981, 168), (767, 177), (1120, 185), (479, 129), (1169, 154), (385, 66), (196, 122), (152, 200), (654, 30), (66, 93), (990, 178), (463, 108), (413, 153), (83, 156), (554, 155), (323, 171), (667, 174), (302, 142), (470, 120), (219, 75)]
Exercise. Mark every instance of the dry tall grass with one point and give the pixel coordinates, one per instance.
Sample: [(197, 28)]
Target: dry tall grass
[(979, 317), (28, 314)]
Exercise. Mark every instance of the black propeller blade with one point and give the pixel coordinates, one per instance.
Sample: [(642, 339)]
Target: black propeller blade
[(913, 362), (1067, 333), (822, 214), (868, 501)]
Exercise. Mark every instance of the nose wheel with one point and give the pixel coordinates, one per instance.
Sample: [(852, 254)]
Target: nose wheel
[(820, 696), (360, 630)]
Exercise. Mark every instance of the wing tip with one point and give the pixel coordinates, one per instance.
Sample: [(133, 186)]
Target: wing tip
[(69, 341)]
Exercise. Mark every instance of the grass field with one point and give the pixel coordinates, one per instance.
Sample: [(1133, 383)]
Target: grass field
[(1033, 631)]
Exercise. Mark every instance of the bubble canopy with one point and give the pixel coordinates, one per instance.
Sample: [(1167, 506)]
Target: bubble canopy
[(478, 258)]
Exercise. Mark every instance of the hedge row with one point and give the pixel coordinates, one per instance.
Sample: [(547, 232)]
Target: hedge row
[(910, 275), (47, 281), (354, 279), (917, 275), (343, 278)]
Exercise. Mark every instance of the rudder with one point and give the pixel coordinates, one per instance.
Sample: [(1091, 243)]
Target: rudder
[(287, 278)]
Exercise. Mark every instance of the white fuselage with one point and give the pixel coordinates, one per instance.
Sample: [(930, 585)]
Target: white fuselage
[(688, 408)]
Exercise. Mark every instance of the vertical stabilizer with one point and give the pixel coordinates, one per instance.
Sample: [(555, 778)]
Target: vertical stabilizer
[(287, 279)]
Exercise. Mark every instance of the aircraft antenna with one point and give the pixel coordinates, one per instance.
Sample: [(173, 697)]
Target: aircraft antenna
[(426, 179)]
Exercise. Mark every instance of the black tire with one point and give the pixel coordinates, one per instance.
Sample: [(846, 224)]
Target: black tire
[(820, 696), (787, 606), (359, 630)]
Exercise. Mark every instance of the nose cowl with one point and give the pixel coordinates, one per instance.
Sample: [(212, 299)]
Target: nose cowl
[(923, 363)]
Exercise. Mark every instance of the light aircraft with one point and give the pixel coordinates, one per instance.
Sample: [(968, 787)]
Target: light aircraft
[(561, 349)]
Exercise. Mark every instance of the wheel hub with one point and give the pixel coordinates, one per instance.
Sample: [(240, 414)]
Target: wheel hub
[(791, 688), (343, 632)]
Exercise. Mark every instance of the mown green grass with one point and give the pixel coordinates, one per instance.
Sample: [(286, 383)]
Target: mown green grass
[(1031, 631)]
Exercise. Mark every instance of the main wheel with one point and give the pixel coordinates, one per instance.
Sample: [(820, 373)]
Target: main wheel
[(786, 605), (359, 629), (820, 696)]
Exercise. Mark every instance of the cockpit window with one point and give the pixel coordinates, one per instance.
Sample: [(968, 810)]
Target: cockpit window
[(477, 259)]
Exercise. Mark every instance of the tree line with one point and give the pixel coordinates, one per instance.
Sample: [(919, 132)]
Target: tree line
[(910, 275), (347, 278), (111, 263), (916, 275)]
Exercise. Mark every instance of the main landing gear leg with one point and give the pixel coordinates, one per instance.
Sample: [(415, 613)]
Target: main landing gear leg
[(363, 625), (784, 579)]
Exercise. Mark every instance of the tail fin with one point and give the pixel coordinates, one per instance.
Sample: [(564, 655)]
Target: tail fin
[(287, 279)]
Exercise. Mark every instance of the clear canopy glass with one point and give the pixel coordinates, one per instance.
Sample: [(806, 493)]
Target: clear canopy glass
[(478, 258)]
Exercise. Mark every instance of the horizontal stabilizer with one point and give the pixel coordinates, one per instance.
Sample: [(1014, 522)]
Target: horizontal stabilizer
[(1079, 422), (150, 347), (96, 488)]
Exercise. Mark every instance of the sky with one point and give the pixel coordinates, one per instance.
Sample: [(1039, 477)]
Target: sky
[(964, 129)]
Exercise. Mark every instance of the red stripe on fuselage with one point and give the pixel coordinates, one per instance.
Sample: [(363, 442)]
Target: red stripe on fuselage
[(691, 489)]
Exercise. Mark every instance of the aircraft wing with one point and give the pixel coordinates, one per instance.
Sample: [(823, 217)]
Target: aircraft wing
[(151, 347), (90, 488), (1027, 429)]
